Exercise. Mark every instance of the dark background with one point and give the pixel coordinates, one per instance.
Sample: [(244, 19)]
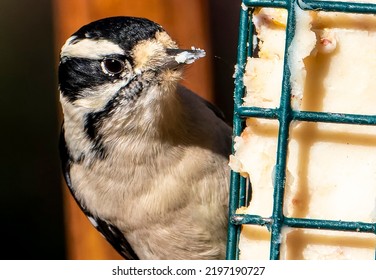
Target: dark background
[(31, 208)]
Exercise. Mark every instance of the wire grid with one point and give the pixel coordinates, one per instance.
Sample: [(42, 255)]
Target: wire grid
[(284, 114)]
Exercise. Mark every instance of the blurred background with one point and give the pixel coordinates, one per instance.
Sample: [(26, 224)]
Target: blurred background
[(39, 219)]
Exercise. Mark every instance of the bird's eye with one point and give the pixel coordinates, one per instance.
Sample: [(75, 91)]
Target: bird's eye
[(112, 66)]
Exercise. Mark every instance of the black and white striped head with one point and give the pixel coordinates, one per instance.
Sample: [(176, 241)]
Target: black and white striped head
[(115, 77), (116, 60)]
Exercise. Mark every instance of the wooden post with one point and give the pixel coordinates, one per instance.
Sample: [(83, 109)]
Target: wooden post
[(187, 22)]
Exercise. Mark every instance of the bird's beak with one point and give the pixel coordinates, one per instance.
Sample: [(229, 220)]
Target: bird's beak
[(179, 57)]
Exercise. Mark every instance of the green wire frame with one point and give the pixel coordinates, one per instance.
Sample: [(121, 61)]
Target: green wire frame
[(284, 114)]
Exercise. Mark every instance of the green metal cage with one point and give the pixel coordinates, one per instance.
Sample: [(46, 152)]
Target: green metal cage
[(285, 115)]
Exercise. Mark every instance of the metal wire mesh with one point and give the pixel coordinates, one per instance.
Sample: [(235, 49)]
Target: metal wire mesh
[(285, 115)]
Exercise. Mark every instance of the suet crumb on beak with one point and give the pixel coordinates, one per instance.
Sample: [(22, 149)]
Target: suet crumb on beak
[(163, 53), (185, 56), (175, 60)]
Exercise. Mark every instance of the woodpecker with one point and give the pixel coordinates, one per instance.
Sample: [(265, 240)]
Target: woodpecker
[(145, 158)]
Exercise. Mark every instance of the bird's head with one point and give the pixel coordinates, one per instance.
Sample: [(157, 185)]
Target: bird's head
[(119, 58), (118, 76)]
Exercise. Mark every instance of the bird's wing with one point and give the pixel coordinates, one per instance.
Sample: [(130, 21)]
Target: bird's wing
[(208, 104), (113, 235), (215, 109), (208, 117)]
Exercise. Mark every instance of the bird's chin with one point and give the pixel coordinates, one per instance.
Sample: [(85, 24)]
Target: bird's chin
[(170, 77)]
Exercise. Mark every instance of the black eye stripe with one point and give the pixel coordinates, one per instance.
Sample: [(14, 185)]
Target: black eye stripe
[(77, 74)]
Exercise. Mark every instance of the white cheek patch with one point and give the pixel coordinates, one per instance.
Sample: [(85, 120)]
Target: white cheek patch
[(89, 48), (104, 94)]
